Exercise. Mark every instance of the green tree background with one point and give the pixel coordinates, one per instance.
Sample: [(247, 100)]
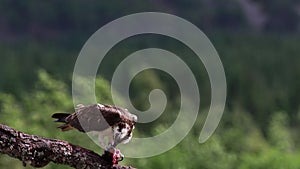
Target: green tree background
[(40, 41)]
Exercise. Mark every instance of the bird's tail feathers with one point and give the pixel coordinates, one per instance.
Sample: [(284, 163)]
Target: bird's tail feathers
[(60, 117), (65, 127)]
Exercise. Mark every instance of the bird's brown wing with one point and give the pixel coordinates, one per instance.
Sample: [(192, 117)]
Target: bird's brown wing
[(95, 117)]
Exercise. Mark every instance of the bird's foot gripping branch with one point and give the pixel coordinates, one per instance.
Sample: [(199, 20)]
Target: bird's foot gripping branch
[(38, 151)]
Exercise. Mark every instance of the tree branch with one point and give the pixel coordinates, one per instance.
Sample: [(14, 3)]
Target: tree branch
[(38, 151)]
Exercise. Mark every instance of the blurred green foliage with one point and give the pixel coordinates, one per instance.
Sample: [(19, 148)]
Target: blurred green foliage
[(55, 17), (260, 127), (238, 143), (31, 113)]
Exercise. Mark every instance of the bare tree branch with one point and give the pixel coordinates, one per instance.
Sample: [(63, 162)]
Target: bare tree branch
[(38, 151)]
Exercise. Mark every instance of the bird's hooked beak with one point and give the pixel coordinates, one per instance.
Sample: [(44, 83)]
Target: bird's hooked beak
[(134, 118)]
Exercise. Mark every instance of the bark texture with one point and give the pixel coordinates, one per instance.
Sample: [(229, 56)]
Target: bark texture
[(38, 151)]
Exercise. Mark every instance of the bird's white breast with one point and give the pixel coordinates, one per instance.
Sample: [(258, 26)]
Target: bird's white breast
[(121, 136)]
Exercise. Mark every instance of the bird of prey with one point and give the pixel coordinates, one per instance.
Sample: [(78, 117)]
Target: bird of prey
[(112, 122)]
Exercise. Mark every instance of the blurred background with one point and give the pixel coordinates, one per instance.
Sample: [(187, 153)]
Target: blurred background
[(258, 43)]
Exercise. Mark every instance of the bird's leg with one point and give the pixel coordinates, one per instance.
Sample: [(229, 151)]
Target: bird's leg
[(108, 141), (116, 154)]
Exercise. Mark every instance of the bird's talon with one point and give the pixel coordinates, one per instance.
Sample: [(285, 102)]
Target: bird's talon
[(116, 155), (121, 158)]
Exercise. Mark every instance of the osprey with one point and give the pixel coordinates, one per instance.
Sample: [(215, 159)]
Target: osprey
[(113, 122)]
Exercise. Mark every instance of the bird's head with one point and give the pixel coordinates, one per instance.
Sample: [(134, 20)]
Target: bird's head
[(130, 116)]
